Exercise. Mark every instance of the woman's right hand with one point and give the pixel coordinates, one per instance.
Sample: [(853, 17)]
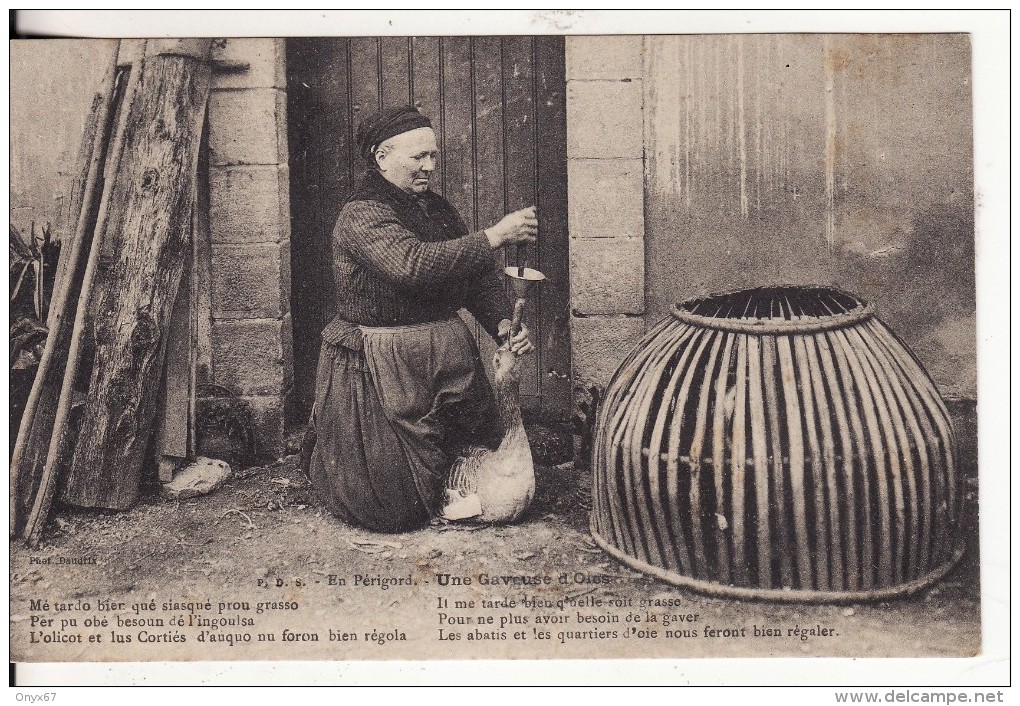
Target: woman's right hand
[(517, 228)]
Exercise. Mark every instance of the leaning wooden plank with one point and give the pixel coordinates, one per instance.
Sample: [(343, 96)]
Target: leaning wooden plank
[(202, 248), (94, 129), (40, 409), (173, 413), (151, 198), (200, 305), (80, 184)]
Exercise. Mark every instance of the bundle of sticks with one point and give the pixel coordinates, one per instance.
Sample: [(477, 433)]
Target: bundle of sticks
[(92, 415)]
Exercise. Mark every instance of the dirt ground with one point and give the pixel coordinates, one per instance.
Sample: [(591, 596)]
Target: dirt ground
[(264, 537)]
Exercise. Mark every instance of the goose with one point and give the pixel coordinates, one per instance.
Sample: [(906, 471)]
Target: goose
[(495, 486)]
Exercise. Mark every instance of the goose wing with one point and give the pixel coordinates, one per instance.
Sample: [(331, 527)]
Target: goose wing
[(463, 476), (462, 501)]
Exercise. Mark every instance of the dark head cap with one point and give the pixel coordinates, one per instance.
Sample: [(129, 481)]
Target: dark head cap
[(381, 126)]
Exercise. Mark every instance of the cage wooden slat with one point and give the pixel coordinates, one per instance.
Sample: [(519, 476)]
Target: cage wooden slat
[(616, 402), (916, 419), (894, 419), (737, 518), (876, 470), (700, 425), (862, 472), (637, 511), (939, 415), (675, 502), (645, 388), (656, 527), (672, 557), (841, 436), (719, 522), (659, 345), (891, 451), (935, 433), (623, 382), (694, 468), (759, 445), (795, 441), (823, 454)]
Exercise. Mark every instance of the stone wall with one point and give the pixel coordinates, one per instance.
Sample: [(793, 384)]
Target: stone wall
[(249, 347), (605, 155)]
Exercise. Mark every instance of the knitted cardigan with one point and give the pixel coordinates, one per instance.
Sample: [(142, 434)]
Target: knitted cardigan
[(401, 259)]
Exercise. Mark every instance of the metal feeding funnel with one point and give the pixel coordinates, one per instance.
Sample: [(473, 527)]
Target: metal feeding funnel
[(523, 279)]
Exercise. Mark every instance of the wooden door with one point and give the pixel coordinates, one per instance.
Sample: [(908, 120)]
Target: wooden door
[(498, 108)]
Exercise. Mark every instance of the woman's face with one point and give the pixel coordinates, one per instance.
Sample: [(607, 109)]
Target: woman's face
[(408, 160)]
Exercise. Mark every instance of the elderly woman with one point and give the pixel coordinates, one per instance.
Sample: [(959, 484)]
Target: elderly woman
[(400, 384)]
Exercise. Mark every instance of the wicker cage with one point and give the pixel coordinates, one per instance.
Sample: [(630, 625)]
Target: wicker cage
[(777, 443)]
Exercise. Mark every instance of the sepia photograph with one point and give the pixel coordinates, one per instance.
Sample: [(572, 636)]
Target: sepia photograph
[(559, 343)]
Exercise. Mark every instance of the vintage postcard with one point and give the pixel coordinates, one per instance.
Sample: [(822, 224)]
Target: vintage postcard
[(488, 346)]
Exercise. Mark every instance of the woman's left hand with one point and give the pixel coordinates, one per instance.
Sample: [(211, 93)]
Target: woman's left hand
[(521, 343)]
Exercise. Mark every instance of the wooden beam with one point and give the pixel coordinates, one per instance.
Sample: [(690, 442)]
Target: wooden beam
[(173, 418), (186, 48)]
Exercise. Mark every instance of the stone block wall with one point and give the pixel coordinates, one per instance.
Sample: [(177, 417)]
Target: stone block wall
[(249, 228), (605, 183)]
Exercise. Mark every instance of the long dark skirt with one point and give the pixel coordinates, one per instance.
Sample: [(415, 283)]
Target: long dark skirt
[(390, 419)]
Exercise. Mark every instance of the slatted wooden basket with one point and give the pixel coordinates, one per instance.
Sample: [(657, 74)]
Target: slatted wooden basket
[(777, 443)]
